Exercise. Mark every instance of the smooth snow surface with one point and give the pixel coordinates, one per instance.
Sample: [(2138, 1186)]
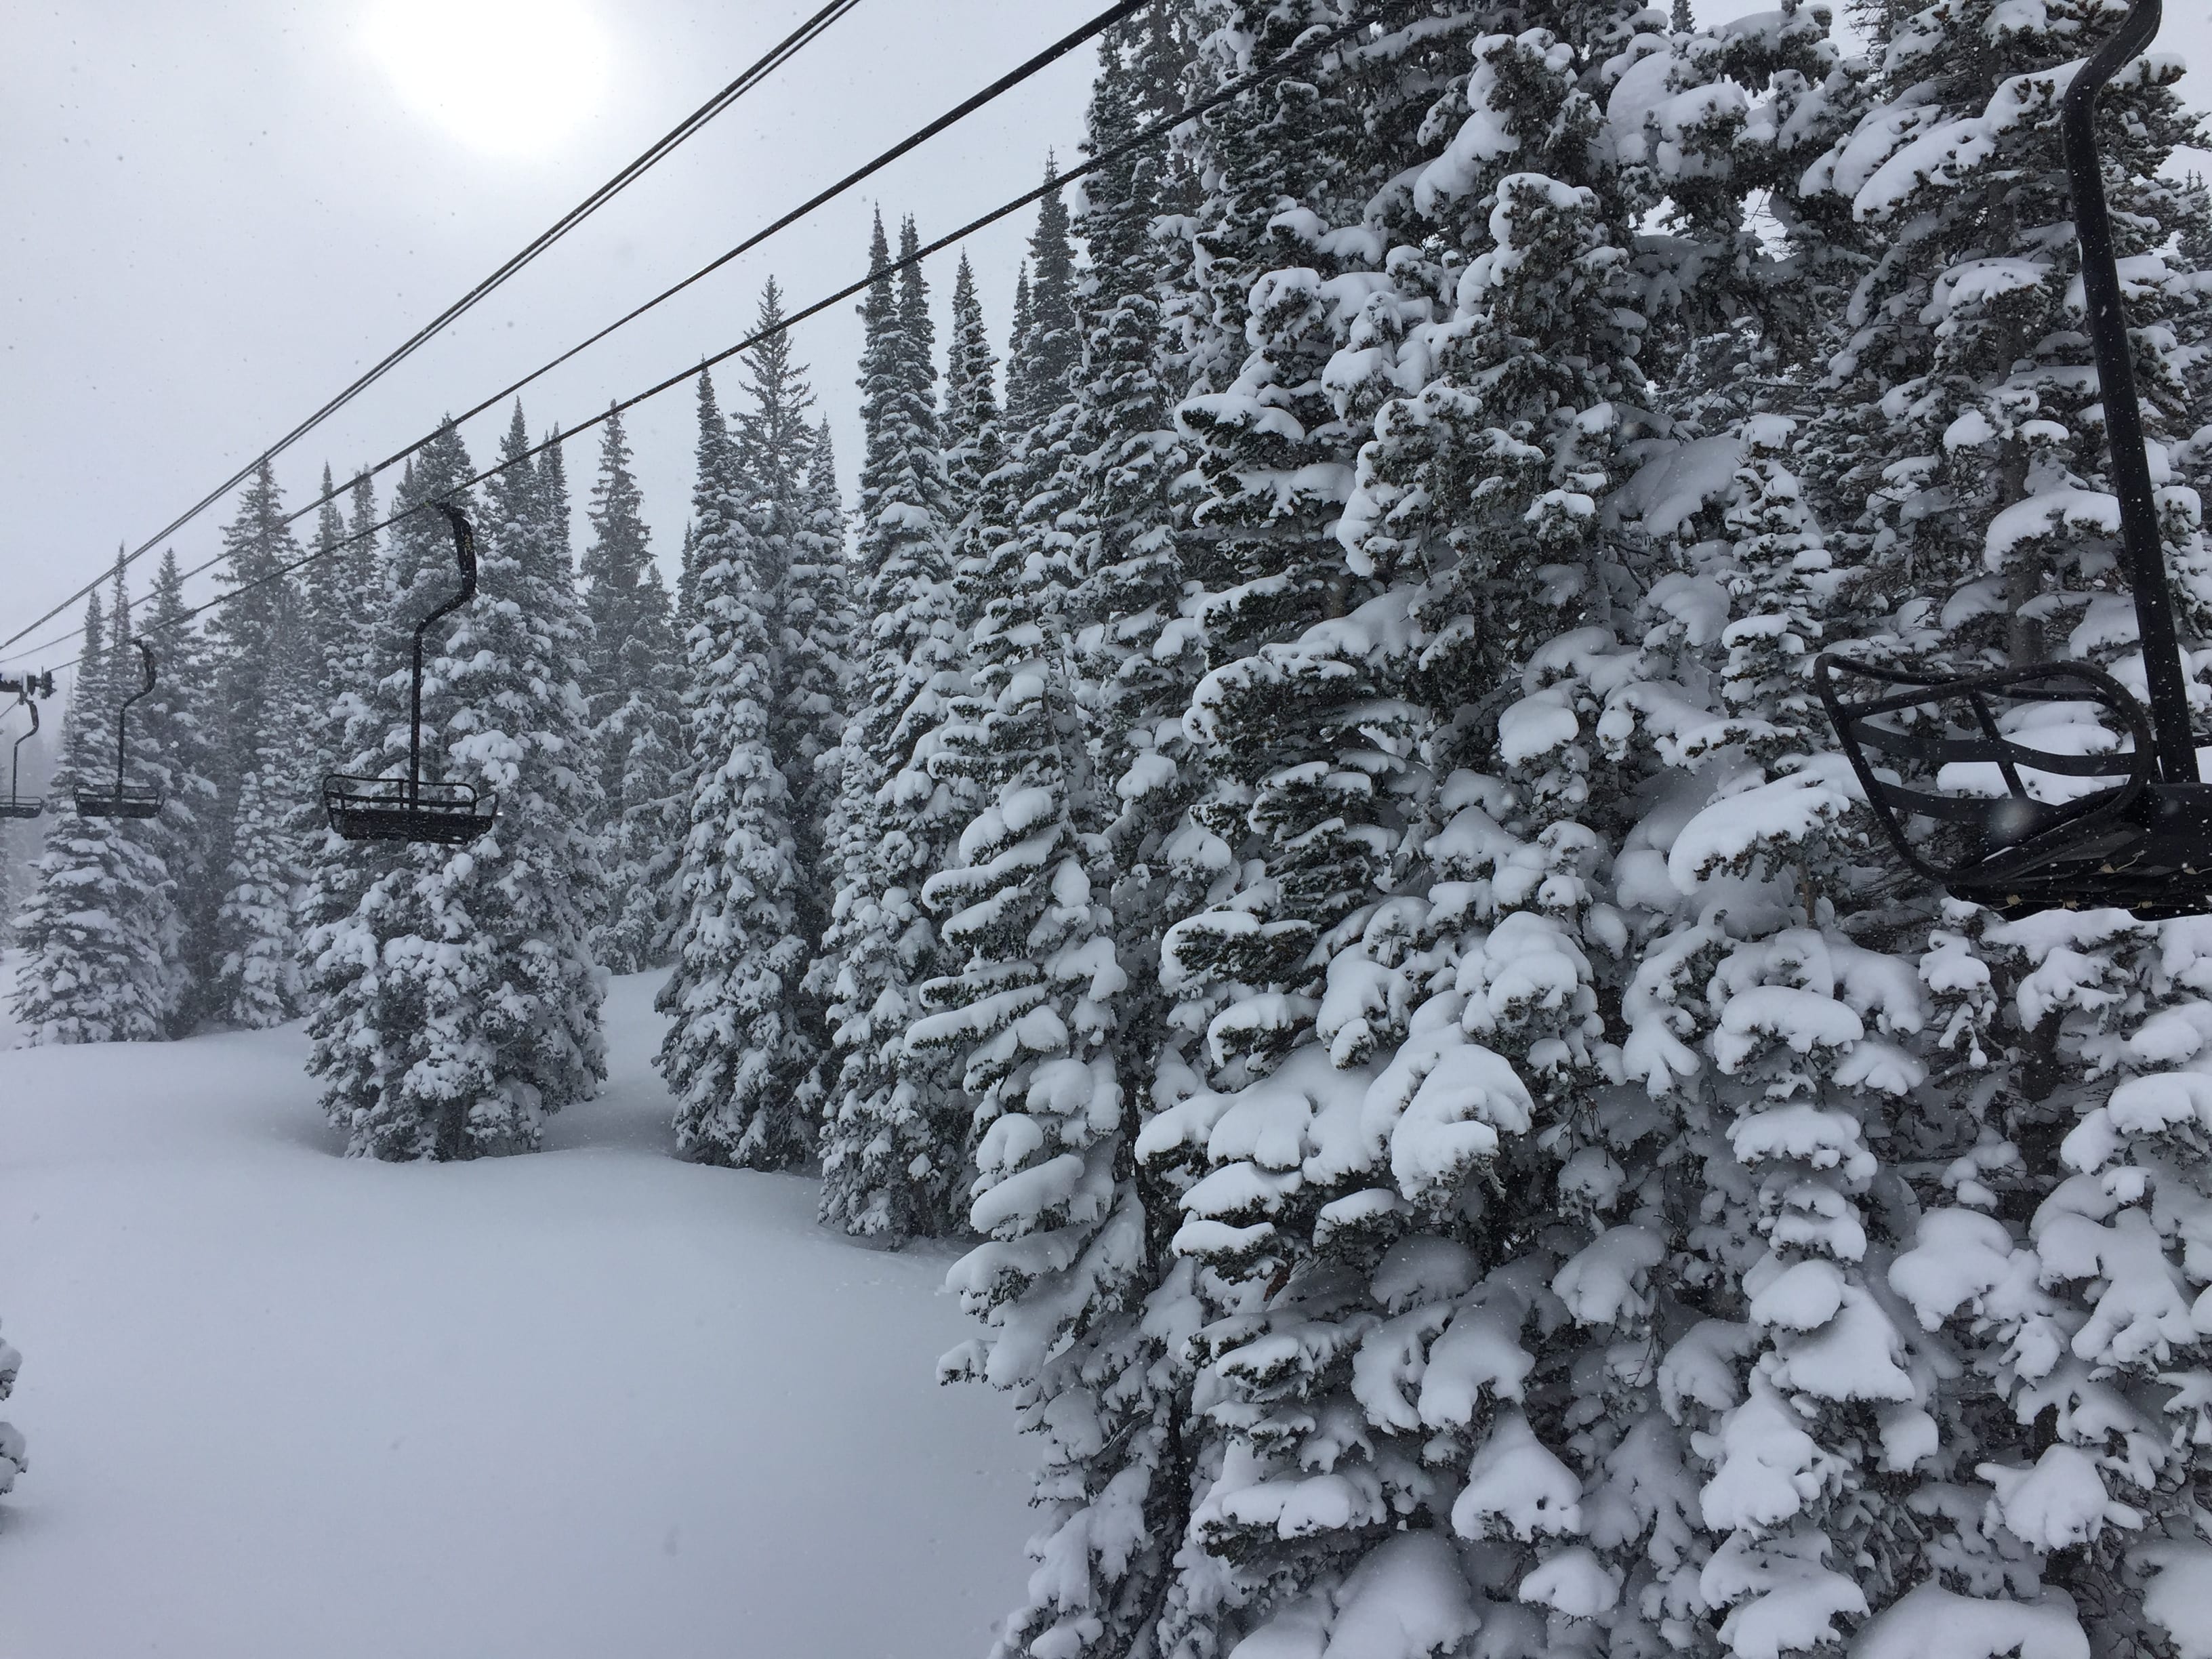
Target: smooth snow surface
[(589, 1403)]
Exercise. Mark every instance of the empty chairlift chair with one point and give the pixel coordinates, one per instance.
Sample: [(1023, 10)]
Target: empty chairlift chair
[(19, 804), (408, 809), (124, 801), (2049, 786)]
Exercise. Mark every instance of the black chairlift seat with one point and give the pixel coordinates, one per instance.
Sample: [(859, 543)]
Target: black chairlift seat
[(390, 809), (123, 803), (407, 809), (2024, 789), (18, 805), (2113, 813), (124, 800)]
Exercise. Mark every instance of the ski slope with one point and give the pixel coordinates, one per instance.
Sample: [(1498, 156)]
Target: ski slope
[(593, 1404)]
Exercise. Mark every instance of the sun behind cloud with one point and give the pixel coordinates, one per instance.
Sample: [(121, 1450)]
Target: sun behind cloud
[(508, 78)]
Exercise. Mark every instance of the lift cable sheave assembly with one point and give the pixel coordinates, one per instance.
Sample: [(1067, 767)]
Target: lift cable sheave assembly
[(754, 75), (18, 805), (408, 809), (2112, 819), (124, 801)]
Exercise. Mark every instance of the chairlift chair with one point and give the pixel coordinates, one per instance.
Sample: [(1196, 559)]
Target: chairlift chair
[(2050, 786), (408, 809), (18, 805), (124, 801)]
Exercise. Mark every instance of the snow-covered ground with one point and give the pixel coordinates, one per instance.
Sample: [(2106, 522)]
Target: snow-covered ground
[(281, 1405)]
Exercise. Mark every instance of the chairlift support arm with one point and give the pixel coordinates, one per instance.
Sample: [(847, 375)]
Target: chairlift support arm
[(2115, 380), (465, 555), (16, 755), (123, 715)]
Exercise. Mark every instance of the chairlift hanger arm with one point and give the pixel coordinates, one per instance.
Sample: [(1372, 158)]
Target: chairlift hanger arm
[(16, 807), (465, 556), (123, 715), (2115, 381)]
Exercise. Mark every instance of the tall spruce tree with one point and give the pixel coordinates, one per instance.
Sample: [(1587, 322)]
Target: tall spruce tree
[(1094, 1351), (1958, 458), (821, 678), (358, 605), (1024, 316), (273, 822), (893, 1145), (1047, 341), (736, 1053), (182, 764), (614, 566), (92, 933), (323, 583), (256, 856), (631, 678), (785, 469), (975, 445), (1138, 650), (1431, 1222)]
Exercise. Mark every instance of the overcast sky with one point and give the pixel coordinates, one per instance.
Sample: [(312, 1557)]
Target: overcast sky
[(217, 212)]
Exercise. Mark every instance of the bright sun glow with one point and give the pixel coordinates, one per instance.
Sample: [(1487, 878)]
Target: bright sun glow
[(512, 77)]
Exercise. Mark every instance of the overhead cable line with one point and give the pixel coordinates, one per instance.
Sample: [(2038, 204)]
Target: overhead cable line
[(989, 94), (1139, 140), (777, 56)]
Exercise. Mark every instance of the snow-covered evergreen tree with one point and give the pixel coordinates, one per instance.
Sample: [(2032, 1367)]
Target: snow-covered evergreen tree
[(894, 1132), (361, 599), (15, 1458), (1048, 340), (974, 445), (1088, 1313), (257, 858), (1431, 1216), (614, 567), (1137, 651), (736, 1053), (1024, 315), (182, 764), (324, 583), (456, 1006), (353, 611), (1959, 459), (786, 471), (631, 677), (818, 701), (273, 820), (92, 931)]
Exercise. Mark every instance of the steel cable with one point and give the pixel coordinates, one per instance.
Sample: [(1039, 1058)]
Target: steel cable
[(782, 53), (1147, 135)]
